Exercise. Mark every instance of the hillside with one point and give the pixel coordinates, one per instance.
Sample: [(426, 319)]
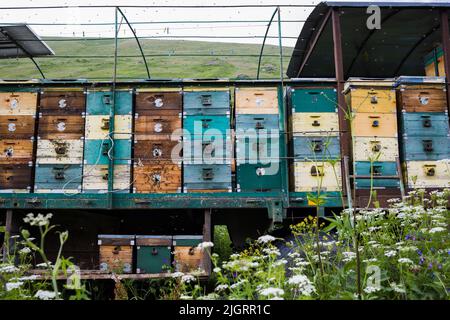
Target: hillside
[(161, 63)]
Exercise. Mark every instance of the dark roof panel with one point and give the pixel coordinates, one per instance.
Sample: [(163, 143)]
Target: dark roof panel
[(407, 34), (19, 41)]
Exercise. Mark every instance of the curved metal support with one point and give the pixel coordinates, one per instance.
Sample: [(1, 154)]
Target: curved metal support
[(26, 52), (137, 40), (37, 66), (410, 52), (264, 41)]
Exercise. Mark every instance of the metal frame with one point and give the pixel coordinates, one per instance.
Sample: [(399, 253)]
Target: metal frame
[(445, 32), (264, 42)]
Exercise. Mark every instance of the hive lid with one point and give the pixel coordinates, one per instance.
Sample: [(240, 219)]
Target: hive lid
[(114, 239), (153, 240), (187, 240), (368, 82), (419, 80)]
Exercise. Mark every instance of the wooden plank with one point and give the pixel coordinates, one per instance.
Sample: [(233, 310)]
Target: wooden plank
[(309, 176), (256, 100), (15, 176), (117, 258), (62, 103), (373, 100), (428, 174), (375, 125), (17, 127), (380, 149), (154, 151), (156, 127), (423, 98), (18, 103), (158, 103), (61, 127), (157, 178), (59, 151), (314, 123), (16, 151)]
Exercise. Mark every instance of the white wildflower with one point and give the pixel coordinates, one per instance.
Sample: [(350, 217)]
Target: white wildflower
[(370, 289), (266, 239), (398, 287), (303, 284), (405, 261), (39, 220), (271, 251), (13, 285), (25, 250), (370, 260), (238, 284), (390, 253), (436, 230), (44, 265), (276, 298), (8, 268), (348, 256), (15, 237), (205, 245), (177, 274), (271, 292), (29, 278), (221, 287), (279, 262), (185, 297), (217, 270), (45, 295), (187, 278)]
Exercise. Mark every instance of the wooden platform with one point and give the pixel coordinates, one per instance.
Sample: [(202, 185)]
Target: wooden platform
[(101, 275)]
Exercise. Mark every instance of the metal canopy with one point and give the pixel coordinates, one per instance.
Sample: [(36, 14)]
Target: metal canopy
[(408, 32), (19, 41)]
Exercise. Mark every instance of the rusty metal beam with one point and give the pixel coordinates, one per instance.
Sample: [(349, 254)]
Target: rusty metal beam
[(340, 82), (314, 42), (446, 50)]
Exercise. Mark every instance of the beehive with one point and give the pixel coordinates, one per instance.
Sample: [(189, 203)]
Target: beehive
[(116, 253), (206, 152), (159, 102), (375, 170), (60, 151), (428, 174), (256, 101), (58, 178), (375, 149), (313, 176), (15, 151), (153, 254), (157, 178), (95, 178), (18, 103), (315, 123), (312, 148), (187, 256), (313, 99), (15, 178)]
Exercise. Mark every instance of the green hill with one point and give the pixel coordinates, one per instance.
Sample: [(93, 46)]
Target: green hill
[(166, 59)]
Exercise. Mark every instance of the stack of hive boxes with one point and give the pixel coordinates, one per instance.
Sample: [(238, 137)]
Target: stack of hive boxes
[(315, 131), (425, 131), (17, 131), (206, 140), (257, 139), (374, 132), (101, 147), (59, 158), (157, 126)]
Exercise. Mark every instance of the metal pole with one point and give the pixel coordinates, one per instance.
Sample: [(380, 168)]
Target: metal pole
[(112, 113), (137, 40), (207, 238), (264, 41), (446, 51), (6, 241)]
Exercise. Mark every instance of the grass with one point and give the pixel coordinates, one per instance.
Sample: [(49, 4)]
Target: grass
[(171, 65)]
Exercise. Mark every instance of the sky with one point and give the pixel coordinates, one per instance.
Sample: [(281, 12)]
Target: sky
[(174, 19)]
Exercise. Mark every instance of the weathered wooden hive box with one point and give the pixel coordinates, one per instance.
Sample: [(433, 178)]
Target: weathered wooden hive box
[(106, 143), (316, 164), (18, 109), (59, 155), (373, 107), (187, 255), (157, 165), (206, 152), (425, 133), (257, 139), (434, 63), (116, 253), (153, 254)]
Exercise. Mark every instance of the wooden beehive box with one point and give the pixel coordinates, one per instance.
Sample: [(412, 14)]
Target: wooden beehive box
[(422, 94), (16, 151), (62, 102), (374, 125), (59, 151), (426, 148), (97, 152), (428, 174), (256, 100), (18, 103), (375, 148), (200, 177), (95, 178), (116, 253), (376, 169), (425, 124), (100, 102), (17, 127), (161, 102), (259, 177), (315, 123), (153, 254), (61, 127), (311, 148), (370, 96), (313, 99), (206, 101), (58, 178), (15, 177), (187, 256), (312, 176), (157, 127), (157, 178), (154, 151)]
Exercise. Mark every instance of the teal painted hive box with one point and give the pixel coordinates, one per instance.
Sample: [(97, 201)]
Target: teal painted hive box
[(153, 254), (313, 100), (100, 102)]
